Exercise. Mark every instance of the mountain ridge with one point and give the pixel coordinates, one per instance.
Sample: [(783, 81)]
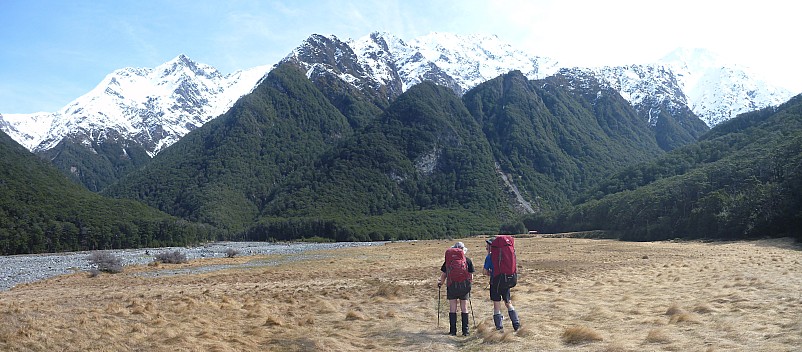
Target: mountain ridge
[(152, 107), (141, 109)]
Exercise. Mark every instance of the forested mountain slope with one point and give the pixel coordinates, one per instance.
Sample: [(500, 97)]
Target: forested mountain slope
[(42, 211), (555, 141), (741, 180)]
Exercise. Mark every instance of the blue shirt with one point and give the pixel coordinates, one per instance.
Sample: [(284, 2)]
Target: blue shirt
[(489, 265)]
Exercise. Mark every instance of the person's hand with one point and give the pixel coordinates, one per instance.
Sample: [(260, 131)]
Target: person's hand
[(439, 283)]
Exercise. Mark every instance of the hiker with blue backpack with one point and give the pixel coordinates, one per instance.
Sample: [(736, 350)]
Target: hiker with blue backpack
[(500, 265), (457, 274)]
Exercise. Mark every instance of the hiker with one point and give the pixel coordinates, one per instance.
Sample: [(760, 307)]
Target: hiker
[(457, 273), (500, 265)]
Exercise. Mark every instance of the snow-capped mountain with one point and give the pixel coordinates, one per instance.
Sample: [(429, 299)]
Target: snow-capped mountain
[(649, 88), (718, 91), (151, 107), (156, 107), (685, 79), (27, 129), (383, 60)]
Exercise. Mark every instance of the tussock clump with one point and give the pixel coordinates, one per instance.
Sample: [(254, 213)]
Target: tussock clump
[(105, 262), (488, 333), (306, 321), (355, 315), (387, 290), (273, 321), (485, 329), (175, 257), (524, 331), (657, 336), (674, 310), (326, 307), (496, 336), (579, 334)]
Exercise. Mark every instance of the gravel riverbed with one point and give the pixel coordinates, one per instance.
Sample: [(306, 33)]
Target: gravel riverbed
[(18, 269)]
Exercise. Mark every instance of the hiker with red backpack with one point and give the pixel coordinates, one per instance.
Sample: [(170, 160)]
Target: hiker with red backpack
[(457, 273), (501, 266)]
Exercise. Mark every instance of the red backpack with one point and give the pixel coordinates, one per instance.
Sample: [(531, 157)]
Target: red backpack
[(502, 253), (456, 266)]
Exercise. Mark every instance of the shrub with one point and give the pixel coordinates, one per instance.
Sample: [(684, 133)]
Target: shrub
[(175, 257), (105, 262), (231, 253)]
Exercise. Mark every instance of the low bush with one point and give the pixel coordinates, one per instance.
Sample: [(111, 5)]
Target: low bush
[(231, 253), (175, 257), (105, 262)]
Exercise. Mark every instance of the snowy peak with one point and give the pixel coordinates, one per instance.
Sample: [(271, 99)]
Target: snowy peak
[(182, 65), (150, 107), (27, 129), (649, 88), (718, 90), (385, 62), (692, 59), (466, 59)]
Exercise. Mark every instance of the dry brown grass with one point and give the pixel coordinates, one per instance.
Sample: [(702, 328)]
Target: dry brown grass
[(657, 336), (580, 334), (664, 296)]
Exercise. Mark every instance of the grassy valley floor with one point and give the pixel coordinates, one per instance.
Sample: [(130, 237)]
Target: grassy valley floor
[(572, 295)]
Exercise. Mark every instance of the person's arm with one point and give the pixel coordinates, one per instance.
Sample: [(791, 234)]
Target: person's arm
[(442, 275), (488, 266)]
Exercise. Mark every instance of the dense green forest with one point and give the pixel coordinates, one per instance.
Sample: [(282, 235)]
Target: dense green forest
[(420, 170), (741, 180), (557, 141), (43, 211), (98, 165)]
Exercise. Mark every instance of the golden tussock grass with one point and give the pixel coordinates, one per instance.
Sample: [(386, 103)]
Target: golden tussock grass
[(355, 315), (657, 336), (612, 296), (580, 334)]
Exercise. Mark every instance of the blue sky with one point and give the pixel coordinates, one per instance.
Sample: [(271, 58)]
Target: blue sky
[(55, 51)]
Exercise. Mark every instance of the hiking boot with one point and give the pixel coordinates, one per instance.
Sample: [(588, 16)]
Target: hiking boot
[(452, 324), (465, 324), (497, 319), (516, 324)]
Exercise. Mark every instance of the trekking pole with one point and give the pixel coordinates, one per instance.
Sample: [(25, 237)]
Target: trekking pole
[(473, 316), (438, 306)]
